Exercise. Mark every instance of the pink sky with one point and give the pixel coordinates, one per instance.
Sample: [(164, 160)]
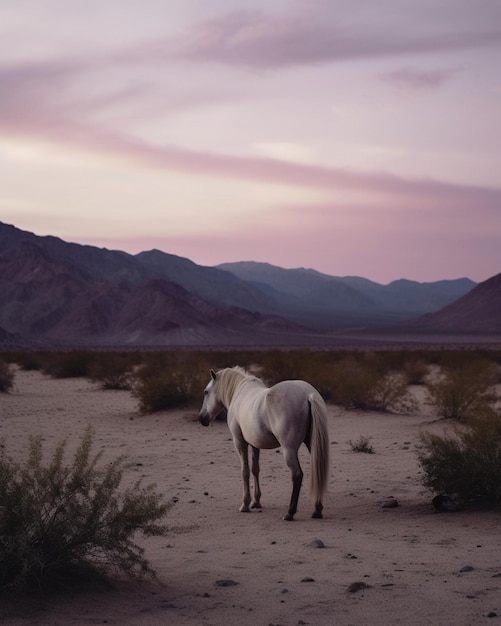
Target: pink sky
[(353, 138)]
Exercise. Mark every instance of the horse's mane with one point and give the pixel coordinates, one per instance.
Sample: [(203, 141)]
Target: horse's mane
[(229, 379)]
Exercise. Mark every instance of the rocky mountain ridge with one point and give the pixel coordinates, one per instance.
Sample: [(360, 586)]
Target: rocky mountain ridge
[(57, 293)]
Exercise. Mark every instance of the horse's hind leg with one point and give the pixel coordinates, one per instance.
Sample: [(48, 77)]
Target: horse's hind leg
[(256, 502), (317, 513), (297, 479)]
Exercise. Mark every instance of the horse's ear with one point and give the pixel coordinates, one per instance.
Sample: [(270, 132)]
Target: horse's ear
[(213, 374)]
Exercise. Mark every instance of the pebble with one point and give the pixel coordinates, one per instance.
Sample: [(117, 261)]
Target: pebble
[(467, 568), (390, 503), (317, 543), (225, 582), (357, 586), (444, 504)]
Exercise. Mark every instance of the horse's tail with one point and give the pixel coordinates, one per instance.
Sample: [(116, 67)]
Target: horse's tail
[(319, 443)]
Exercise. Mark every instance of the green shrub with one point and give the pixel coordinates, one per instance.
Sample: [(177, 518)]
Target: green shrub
[(467, 464), (7, 376), (60, 522), (463, 389), (358, 385)]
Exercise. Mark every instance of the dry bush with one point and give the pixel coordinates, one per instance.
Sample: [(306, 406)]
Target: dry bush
[(359, 385), (316, 367), (71, 364), (415, 371), (467, 464), (463, 389), (362, 445), (112, 370), (278, 365), (29, 361), (61, 523), (7, 376), (170, 381)]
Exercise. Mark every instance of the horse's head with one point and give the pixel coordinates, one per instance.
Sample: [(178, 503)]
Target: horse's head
[(212, 405)]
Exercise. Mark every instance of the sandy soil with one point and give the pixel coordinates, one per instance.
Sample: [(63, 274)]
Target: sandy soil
[(408, 560)]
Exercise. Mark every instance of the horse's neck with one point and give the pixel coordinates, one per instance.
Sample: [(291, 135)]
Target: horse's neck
[(230, 383)]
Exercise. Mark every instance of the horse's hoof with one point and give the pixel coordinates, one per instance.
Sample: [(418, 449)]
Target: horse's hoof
[(244, 509), (288, 518), (317, 515), (256, 505)]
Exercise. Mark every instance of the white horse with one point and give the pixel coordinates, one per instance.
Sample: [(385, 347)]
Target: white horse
[(288, 414)]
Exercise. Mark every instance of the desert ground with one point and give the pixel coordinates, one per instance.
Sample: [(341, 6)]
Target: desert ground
[(361, 564)]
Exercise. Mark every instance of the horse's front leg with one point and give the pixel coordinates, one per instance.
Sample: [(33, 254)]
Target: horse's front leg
[(242, 449), (256, 502)]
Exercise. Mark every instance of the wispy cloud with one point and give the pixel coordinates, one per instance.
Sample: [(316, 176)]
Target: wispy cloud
[(31, 110), (200, 101), (411, 77), (321, 32)]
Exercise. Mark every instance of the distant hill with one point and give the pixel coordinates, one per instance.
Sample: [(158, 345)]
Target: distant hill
[(330, 302), (57, 293), (477, 312)]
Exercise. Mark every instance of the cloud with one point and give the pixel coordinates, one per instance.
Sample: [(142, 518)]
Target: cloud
[(28, 110), (419, 79), (326, 32)]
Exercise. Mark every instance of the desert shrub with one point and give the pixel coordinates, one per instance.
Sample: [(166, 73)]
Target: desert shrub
[(158, 393), (178, 381), (7, 376), (278, 365), (415, 371), (112, 370), (28, 361), (463, 389), (362, 444), (467, 464), (316, 367), (72, 364), (70, 522), (358, 385)]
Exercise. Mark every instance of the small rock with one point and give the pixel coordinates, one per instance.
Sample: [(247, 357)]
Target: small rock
[(390, 503), (307, 579), (467, 568), (225, 582), (317, 543), (357, 586), (444, 504), (492, 614)]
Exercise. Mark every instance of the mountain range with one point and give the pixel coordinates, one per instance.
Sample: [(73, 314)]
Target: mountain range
[(56, 293)]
